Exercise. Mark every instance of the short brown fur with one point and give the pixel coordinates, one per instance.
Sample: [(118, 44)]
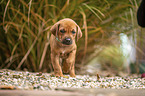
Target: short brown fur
[(65, 28)]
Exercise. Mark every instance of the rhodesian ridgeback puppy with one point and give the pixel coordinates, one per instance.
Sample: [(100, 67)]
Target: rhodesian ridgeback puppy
[(62, 43)]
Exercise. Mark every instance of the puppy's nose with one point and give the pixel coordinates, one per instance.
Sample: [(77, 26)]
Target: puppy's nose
[(67, 41)]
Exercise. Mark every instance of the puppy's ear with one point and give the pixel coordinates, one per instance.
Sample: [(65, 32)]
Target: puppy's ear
[(79, 33), (54, 29)]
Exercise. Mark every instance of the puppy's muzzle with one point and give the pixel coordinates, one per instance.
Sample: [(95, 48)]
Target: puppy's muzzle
[(67, 41)]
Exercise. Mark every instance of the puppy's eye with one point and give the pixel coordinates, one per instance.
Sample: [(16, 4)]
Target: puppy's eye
[(73, 32), (62, 31)]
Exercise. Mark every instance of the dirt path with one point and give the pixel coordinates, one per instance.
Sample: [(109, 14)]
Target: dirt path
[(37, 93), (75, 92)]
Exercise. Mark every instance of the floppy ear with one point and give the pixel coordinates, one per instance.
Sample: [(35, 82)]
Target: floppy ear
[(54, 29), (79, 33)]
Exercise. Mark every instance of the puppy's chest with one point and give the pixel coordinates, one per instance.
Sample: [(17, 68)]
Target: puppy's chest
[(64, 54)]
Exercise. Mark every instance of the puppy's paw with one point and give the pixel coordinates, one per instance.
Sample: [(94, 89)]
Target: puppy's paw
[(57, 75), (72, 75)]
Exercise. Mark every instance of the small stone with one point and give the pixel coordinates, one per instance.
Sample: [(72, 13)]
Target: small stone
[(143, 75), (66, 77), (16, 76), (98, 77), (39, 74)]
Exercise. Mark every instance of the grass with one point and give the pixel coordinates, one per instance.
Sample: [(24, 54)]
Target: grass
[(25, 24)]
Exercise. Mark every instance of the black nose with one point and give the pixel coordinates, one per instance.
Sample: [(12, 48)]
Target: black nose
[(67, 41)]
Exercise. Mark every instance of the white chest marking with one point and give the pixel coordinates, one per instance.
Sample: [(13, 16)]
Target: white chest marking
[(63, 52)]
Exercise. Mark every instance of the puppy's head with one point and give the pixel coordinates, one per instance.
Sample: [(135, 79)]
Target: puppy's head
[(65, 31)]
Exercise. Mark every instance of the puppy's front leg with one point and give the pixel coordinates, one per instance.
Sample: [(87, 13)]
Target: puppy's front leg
[(56, 66), (68, 64)]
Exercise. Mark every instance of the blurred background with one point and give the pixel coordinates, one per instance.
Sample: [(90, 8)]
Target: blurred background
[(112, 41)]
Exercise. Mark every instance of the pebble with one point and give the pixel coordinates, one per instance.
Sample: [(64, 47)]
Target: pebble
[(44, 81), (143, 75)]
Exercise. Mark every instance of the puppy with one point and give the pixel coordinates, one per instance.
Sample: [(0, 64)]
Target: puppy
[(62, 42)]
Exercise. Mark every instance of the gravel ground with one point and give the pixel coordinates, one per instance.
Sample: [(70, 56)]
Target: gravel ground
[(43, 81)]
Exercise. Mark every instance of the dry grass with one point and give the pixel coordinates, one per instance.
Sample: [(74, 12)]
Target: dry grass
[(24, 37)]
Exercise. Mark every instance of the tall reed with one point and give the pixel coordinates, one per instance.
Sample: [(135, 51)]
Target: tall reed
[(25, 24)]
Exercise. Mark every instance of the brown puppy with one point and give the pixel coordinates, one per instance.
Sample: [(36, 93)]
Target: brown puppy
[(62, 43)]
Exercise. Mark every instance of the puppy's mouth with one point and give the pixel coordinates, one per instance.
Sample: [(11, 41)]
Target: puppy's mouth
[(67, 41)]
